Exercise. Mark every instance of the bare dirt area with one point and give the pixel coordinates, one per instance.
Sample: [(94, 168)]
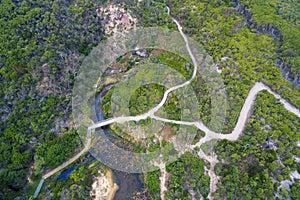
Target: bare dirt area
[(115, 19)]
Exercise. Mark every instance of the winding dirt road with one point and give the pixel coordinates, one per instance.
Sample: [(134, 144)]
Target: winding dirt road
[(209, 135)]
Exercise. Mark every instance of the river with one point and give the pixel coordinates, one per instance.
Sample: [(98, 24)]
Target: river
[(128, 183)]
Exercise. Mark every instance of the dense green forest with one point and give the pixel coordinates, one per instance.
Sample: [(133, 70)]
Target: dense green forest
[(263, 155), (285, 16), (250, 165), (42, 44), (251, 56), (187, 174)]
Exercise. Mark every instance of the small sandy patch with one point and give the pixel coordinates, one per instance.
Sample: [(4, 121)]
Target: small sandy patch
[(104, 187)]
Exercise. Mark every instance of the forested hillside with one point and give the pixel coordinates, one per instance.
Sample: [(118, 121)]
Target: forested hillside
[(254, 166), (42, 45), (280, 19), (248, 56)]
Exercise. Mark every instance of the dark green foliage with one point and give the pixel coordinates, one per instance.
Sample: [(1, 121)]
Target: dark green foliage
[(250, 56), (187, 174), (77, 185), (263, 154), (295, 191), (145, 98), (55, 152), (152, 181), (149, 13), (42, 45), (283, 15)]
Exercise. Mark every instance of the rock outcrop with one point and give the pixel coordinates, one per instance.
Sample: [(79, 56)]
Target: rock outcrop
[(269, 29)]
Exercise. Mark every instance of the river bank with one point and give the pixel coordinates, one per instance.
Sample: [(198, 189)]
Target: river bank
[(104, 187)]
